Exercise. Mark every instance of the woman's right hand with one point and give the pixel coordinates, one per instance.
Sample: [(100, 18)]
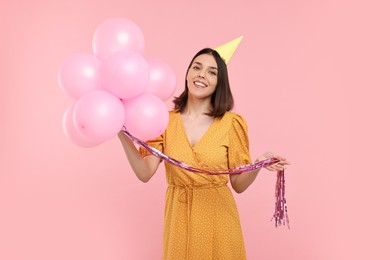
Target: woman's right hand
[(143, 167)]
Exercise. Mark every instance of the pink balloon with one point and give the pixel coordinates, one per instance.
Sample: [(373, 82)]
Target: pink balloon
[(117, 34), (79, 74), (125, 74), (98, 115), (146, 116), (162, 79), (72, 133)]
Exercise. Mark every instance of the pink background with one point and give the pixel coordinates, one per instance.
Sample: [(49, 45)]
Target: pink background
[(310, 77)]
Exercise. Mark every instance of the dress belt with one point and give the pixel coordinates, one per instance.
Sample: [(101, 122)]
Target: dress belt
[(186, 194)]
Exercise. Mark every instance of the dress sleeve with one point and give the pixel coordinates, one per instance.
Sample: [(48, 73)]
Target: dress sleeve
[(238, 151), (157, 143)]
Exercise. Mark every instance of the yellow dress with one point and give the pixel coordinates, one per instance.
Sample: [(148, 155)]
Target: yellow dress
[(201, 220)]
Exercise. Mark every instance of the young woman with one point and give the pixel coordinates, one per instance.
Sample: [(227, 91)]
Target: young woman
[(201, 218)]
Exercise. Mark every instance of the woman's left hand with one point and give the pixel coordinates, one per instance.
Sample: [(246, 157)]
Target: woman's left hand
[(279, 166)]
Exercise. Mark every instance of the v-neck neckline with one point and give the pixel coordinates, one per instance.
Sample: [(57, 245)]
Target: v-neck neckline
[(203, 136)]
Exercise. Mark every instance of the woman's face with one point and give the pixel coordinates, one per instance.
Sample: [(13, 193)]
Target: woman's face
[(202, 77)]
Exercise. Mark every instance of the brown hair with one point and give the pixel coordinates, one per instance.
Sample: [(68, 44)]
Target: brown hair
[(222, 98)]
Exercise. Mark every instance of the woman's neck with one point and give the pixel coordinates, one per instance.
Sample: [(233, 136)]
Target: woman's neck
[(196, 107)]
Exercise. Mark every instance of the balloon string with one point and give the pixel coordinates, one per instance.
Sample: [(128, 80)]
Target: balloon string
[(280, 214)]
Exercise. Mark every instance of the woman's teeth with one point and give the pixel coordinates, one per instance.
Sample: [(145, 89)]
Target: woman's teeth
[(200, 84)]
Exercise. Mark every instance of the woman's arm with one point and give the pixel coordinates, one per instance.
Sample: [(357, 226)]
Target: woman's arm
[(240, 182), (144, 168)]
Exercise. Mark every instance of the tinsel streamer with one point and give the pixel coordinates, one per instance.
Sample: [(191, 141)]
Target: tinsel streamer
[(280, 214)]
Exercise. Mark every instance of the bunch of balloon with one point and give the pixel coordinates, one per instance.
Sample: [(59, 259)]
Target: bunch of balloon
[(115, 86)]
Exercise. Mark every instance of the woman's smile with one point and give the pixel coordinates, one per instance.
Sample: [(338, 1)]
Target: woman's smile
[(199, 84)]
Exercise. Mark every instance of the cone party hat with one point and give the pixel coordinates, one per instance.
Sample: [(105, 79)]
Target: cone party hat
[(227, 50)]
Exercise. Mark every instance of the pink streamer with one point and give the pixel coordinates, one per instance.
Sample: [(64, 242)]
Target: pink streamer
[(280, 214)]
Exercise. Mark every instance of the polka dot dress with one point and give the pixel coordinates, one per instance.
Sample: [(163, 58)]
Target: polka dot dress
[(201, 219)]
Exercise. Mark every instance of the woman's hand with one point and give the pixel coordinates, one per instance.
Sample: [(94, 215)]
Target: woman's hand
[(279, 166)]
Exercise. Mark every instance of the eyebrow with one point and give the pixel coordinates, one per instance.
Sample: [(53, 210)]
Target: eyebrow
[(211, 67)]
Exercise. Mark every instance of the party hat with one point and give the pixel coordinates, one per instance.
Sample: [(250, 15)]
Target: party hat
[(227, 50)]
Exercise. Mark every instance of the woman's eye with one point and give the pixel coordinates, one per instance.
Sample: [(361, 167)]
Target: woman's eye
[(213, 73), (196, 67)]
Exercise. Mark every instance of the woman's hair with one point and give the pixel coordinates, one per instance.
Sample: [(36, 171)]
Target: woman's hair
[(222, 98)]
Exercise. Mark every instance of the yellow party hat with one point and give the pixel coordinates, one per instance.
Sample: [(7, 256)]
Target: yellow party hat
[(227, 50)]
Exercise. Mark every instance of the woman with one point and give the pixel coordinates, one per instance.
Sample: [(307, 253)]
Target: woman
[(201, 218)]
